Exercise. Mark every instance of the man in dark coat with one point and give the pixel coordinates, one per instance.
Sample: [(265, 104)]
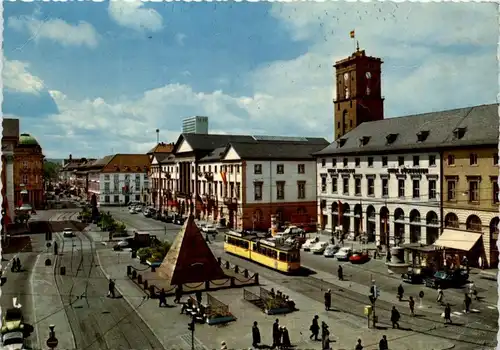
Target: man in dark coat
[(328, 300), (401, 292), (411, 303), (162, 297), (314, 328), (111, 288), (276, 333), (255, 335), (383, 344), (340, 273), (178, 294), (395, 316), (286, 343), (447, 314), (198, 297)]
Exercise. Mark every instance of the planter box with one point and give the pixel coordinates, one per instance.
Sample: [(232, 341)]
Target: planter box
[(279, 311), (153, 263), (219, 320)]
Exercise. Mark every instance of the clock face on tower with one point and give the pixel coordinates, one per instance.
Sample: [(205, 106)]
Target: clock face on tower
[(346, 76)]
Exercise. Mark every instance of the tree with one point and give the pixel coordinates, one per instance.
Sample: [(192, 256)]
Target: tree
[(51, 171)]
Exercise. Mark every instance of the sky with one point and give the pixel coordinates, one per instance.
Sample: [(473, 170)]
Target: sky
[(96, 78)]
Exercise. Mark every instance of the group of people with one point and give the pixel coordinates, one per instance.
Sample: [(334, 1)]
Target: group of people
[(281, 337), (285, 299), (16, 265)]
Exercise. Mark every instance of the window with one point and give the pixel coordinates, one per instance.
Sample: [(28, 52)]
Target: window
[(236, 166), (25, 179), (280, 190), (301, 190), (257, 169), (137, 197), (451, 159), (416, 160), (116, 199), (334, 185), (106, 186), (25, 164), (345, 162), (323, 162), (401, 161), (401, 188), (357, 187), (432, 160), (385, 161), (116, 178), (231, 168), (345, 185), (474, 191), (371, 187), (432, 189), (495, 159), (257, 188), (221, 190), (385, 187), (357, 162), (106, 177), (473, 159), (370, 162), (280, 169), (495, 192), (301, 168), (416, 189), (210, 168), (334, 162), (106, 199), (452, 185), (215, 168), (237, 190), (323, 184)]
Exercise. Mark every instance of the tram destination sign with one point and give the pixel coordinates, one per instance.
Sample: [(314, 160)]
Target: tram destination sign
[(342, 171), (416, 171)]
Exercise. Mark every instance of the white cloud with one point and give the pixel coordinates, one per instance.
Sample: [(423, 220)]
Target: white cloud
[(16, 77), (179, 38), (66, 34), (132, 14)]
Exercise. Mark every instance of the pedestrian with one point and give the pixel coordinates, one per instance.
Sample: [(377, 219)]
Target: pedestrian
[(324, 331), (472, 290), (395, 316), (325, 342), (411, 302), (286, 343), (314, 328), (328, 300), (18, 261), (401, 292), (111, 288), (13, 267), (255, 335), (207, 238), (359, 346), (447, 314), (56, 250), (467, 303), (276, 333), (280, 337), (162, 297), (178, 294), (340, 273), (198, 297), (440, 296), (383, 344)]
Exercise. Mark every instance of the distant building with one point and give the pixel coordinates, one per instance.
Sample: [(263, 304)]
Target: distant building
[(67, 174), (195, 125), (10, 137)]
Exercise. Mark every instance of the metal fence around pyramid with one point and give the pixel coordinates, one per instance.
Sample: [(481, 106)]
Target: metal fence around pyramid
[(216, 307)]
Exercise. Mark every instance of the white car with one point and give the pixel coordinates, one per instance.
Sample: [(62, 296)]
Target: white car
[(13, 341), (209, 229), (309, 243), (343, 254), (330, 250), (319, 247), (132, 211), (68, 232)]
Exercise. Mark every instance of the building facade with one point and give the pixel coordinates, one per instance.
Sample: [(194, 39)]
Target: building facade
[(67, 173), (157, 174), (244, 180), (195, 125), (10, 138), (28, 173)]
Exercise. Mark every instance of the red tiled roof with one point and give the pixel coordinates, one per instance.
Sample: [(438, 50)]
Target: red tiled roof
[(127, 163), (162, 147)]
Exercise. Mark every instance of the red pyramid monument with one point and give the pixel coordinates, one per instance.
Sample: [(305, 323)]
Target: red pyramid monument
[(190, 260)]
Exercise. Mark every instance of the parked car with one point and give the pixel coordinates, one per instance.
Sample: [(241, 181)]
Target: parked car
[(444, 279), (359, 257), (13, 320), (319, 247), (126, 243), (132, 210), (178, 220), (293, 230), (149, 212), (13, 341), (343, 254), (209, 229), (68, 232), (309, 243), (330, 250)]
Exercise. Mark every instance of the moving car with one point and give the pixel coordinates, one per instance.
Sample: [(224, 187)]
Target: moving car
[(309, 243), (13, 341), (443, 279), (343, 254), (330, 250), (12, 320), (319, 248), (209, 229), (68, 232), (132, 210), (293, 230), (149, 212), (126, 243), (359, 257)]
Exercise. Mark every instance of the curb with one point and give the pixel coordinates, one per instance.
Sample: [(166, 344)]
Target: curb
[(128, 300)]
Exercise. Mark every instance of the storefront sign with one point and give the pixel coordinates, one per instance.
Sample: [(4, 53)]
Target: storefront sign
[(414, 171), (342, 171)]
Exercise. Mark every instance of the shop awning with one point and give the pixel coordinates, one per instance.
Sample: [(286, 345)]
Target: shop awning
[(455, 239)]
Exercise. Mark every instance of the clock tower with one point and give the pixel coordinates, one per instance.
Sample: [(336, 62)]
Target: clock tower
[(359, 94)]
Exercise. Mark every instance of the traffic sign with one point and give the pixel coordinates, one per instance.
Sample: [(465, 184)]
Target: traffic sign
[(52, 342)]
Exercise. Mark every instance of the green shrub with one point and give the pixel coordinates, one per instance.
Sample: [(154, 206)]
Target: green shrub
[(145, 253), (157, 256)]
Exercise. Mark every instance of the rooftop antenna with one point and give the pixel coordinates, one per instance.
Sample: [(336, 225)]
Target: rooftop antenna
[(357, 46), (157, 136)]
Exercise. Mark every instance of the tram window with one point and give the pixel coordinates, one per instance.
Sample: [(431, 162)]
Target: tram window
[(293, 257), (282, 256), (245, 245), (254, 247)]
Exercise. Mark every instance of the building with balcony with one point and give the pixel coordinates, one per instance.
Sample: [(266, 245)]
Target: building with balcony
[(157, 174), (385, 178), (245, 180)]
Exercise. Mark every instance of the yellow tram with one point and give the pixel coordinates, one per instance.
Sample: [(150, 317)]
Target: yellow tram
[(273, 254)]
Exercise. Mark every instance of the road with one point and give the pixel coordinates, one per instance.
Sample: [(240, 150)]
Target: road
[(472, 331), (97, 322)]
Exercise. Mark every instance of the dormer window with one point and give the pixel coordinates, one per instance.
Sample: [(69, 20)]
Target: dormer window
[(391, 138), (458, 133), (341, 142), (363, 141), (422, 135)]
